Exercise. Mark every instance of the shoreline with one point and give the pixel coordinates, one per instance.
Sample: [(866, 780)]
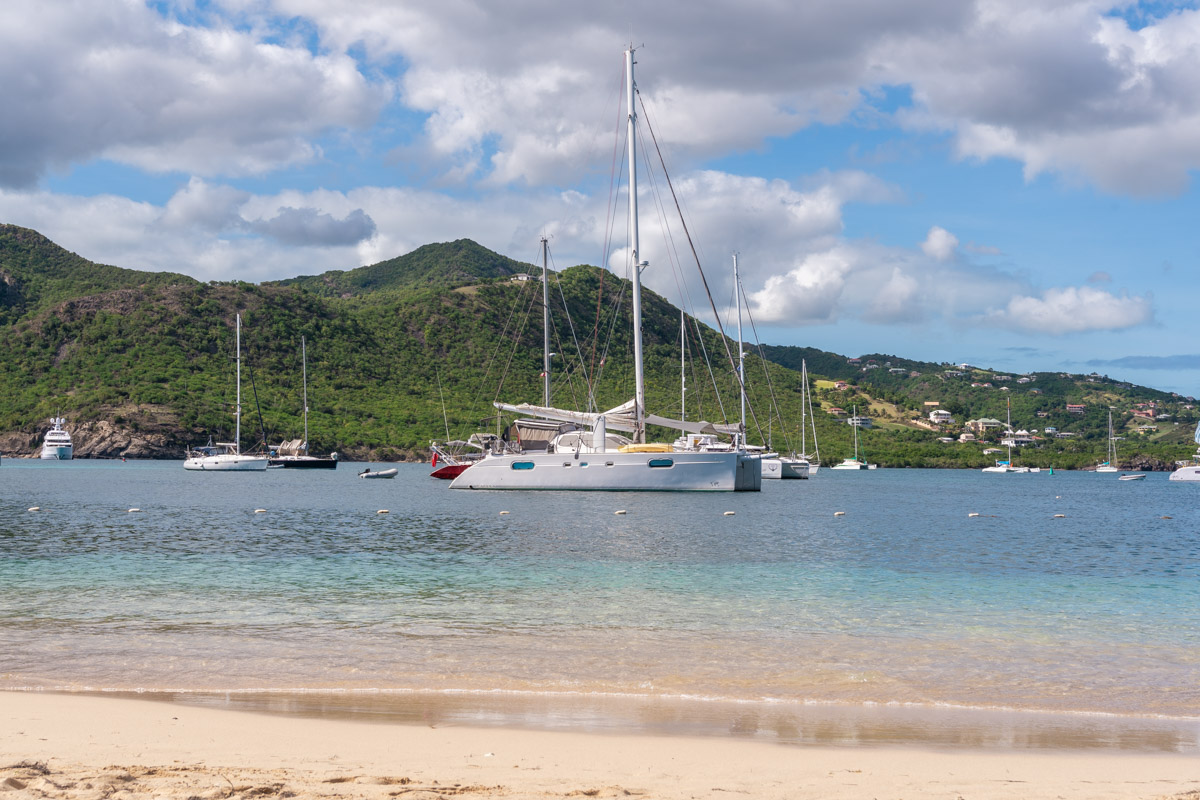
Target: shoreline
[(88, 746)]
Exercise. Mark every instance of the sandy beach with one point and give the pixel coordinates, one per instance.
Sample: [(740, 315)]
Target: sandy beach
[(90, 747)]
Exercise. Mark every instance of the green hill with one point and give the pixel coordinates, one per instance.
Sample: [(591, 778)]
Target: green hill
[(35, 274), (417, 348), (444, 265)]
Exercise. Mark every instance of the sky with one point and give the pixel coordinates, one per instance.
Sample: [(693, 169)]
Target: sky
[(1007, 183)]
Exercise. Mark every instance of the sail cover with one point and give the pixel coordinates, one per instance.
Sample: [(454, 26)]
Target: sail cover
[(620, 418)]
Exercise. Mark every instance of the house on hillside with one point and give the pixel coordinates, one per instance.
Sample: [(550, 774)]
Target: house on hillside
[(940, 416), (982, 425), (1076, 408)]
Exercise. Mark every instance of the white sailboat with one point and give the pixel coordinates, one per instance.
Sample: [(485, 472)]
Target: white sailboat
[(1189, 471), (1007, 467), (813, 459), (598, 460), (227, 456), (856, 462), (1110, 464)]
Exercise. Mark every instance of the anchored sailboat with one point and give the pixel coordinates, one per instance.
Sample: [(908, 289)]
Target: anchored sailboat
[(294, 454), (1110, 462), (227, 456), (1007, 466), (579, 459), (856, 462)]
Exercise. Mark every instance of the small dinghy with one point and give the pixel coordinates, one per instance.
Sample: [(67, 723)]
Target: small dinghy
[(1137, 476), (383, 473)]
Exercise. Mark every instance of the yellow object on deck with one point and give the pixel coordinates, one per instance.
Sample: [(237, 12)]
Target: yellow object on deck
[(651, 447)]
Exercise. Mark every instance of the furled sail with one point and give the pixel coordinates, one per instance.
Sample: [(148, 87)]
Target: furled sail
[(620, 418)]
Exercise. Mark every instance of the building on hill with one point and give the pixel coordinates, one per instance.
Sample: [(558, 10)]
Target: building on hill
[(1076, 408), (940, 416), (983, 425)]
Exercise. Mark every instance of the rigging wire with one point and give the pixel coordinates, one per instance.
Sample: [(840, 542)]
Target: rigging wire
[(699, 267)]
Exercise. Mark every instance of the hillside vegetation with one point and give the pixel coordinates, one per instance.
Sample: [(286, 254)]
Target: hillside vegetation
[(416, 348)]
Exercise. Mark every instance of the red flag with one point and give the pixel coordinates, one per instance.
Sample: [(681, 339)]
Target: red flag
[(434, 462)]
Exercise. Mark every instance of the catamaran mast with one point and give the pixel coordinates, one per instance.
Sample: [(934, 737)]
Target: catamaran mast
[(304, 384), (237, 409), (639, 395), (682, 364), (545, 324), (803, 396), (737, 290)]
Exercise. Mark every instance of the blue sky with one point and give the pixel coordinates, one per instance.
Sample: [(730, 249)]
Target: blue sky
[(1009, 183)]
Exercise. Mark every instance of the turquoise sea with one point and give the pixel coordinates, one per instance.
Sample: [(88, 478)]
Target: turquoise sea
[(1067, 613)]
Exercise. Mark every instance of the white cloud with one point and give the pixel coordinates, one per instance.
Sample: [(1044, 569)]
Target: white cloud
[(113, 79), (1072, 310), (940, 244)]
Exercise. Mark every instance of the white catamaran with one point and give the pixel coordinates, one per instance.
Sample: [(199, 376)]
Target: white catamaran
[(1189, 471), (587, 455), (227, 456)]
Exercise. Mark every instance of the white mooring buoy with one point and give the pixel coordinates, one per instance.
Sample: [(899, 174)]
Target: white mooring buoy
[(35, 508), (382, 511), (973, 514), (620, 513), (260, 511), (839, 513), (134, 510)]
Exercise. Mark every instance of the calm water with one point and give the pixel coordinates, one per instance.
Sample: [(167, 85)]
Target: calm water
[(782, 611)]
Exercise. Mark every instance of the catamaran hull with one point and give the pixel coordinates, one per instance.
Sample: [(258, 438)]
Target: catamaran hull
[(616, 472), (226, 463), (783, 469)]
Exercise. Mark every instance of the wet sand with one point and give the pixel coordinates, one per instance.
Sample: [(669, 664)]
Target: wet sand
[(87, 747)]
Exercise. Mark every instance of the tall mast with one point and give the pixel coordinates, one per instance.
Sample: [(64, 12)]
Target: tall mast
[(803, 397), (682, 365), (304, 383), (737, 290), (639, 396), (237, 409), (545, 324)]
